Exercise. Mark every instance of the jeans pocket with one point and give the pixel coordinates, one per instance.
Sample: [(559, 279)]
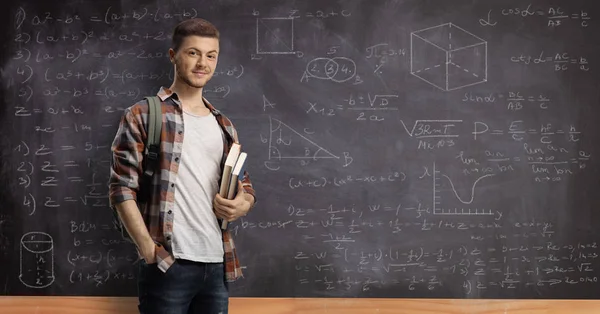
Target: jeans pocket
[(145, 267), (171, 268)]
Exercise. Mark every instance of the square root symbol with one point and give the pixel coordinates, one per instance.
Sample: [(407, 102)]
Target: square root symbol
[(448, 57), (275, 35)]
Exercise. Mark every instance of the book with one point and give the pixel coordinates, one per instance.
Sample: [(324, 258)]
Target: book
[(236, 174), (232, 157)]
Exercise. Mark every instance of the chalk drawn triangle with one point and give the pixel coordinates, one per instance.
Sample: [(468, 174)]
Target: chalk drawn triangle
[(287, 143)]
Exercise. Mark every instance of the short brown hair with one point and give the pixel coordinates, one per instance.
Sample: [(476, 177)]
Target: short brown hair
[(193, 27)]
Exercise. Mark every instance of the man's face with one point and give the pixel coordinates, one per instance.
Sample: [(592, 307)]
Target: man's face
[(196, 60)]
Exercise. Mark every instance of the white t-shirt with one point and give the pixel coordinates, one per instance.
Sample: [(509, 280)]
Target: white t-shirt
[(196, 233)]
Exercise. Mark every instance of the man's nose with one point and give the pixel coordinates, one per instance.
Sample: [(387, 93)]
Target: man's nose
[(201, 61)]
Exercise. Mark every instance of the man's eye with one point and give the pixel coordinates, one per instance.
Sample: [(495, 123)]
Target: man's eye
[(192, 53)]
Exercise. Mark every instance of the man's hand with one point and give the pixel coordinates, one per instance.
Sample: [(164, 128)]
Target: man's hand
[(231, 210)]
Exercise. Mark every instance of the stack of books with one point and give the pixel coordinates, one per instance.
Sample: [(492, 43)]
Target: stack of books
[(232, 172)]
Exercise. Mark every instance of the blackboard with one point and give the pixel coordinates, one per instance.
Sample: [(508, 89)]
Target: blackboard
[(430, 149)]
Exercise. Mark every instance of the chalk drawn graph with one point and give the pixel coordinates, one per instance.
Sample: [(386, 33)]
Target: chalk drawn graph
[(451, 190)]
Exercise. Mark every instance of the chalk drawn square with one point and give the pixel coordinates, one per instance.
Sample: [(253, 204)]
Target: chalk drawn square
[(448, 57), (275, 35)]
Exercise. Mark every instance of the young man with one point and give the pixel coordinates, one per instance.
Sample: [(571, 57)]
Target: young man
[(186, 259)]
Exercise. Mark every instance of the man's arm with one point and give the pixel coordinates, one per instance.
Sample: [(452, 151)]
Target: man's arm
[(245, 198), (134, 223), (124, 182)]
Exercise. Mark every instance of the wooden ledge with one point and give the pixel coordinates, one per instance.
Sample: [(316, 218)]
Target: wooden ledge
[(110, 305)]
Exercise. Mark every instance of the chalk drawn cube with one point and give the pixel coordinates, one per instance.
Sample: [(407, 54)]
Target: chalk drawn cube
[(275, 35), (448, 57)]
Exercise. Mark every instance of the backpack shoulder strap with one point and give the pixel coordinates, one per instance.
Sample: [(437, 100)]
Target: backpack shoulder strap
[(152, 149)]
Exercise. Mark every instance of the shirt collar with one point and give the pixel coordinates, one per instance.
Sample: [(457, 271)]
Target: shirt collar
[(165, 93)]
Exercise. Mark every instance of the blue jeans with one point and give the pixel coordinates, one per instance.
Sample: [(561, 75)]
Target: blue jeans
[(186, 288)]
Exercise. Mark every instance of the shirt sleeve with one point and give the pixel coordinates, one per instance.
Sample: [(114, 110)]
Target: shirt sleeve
[(247, 186), (126, 163)]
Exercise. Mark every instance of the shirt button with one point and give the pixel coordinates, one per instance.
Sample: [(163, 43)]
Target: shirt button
[(170, 212), (168, 238), (172, 184), (179, 132), (176, 158)]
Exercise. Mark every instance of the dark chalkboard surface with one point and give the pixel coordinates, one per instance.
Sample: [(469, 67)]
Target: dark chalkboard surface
[(398, 148)]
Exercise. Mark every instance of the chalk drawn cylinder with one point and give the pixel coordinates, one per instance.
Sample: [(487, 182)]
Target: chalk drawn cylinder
[(37, 260)]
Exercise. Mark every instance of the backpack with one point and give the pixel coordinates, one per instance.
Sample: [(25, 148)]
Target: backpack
[(152, 147)]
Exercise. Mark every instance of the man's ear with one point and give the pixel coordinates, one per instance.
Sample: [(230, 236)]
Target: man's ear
[(172, 55)]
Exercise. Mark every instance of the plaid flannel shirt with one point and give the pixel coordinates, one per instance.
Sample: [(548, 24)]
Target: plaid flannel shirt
[(126, 171)]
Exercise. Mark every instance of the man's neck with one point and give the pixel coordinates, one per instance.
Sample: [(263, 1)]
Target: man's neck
[(189, 96)]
